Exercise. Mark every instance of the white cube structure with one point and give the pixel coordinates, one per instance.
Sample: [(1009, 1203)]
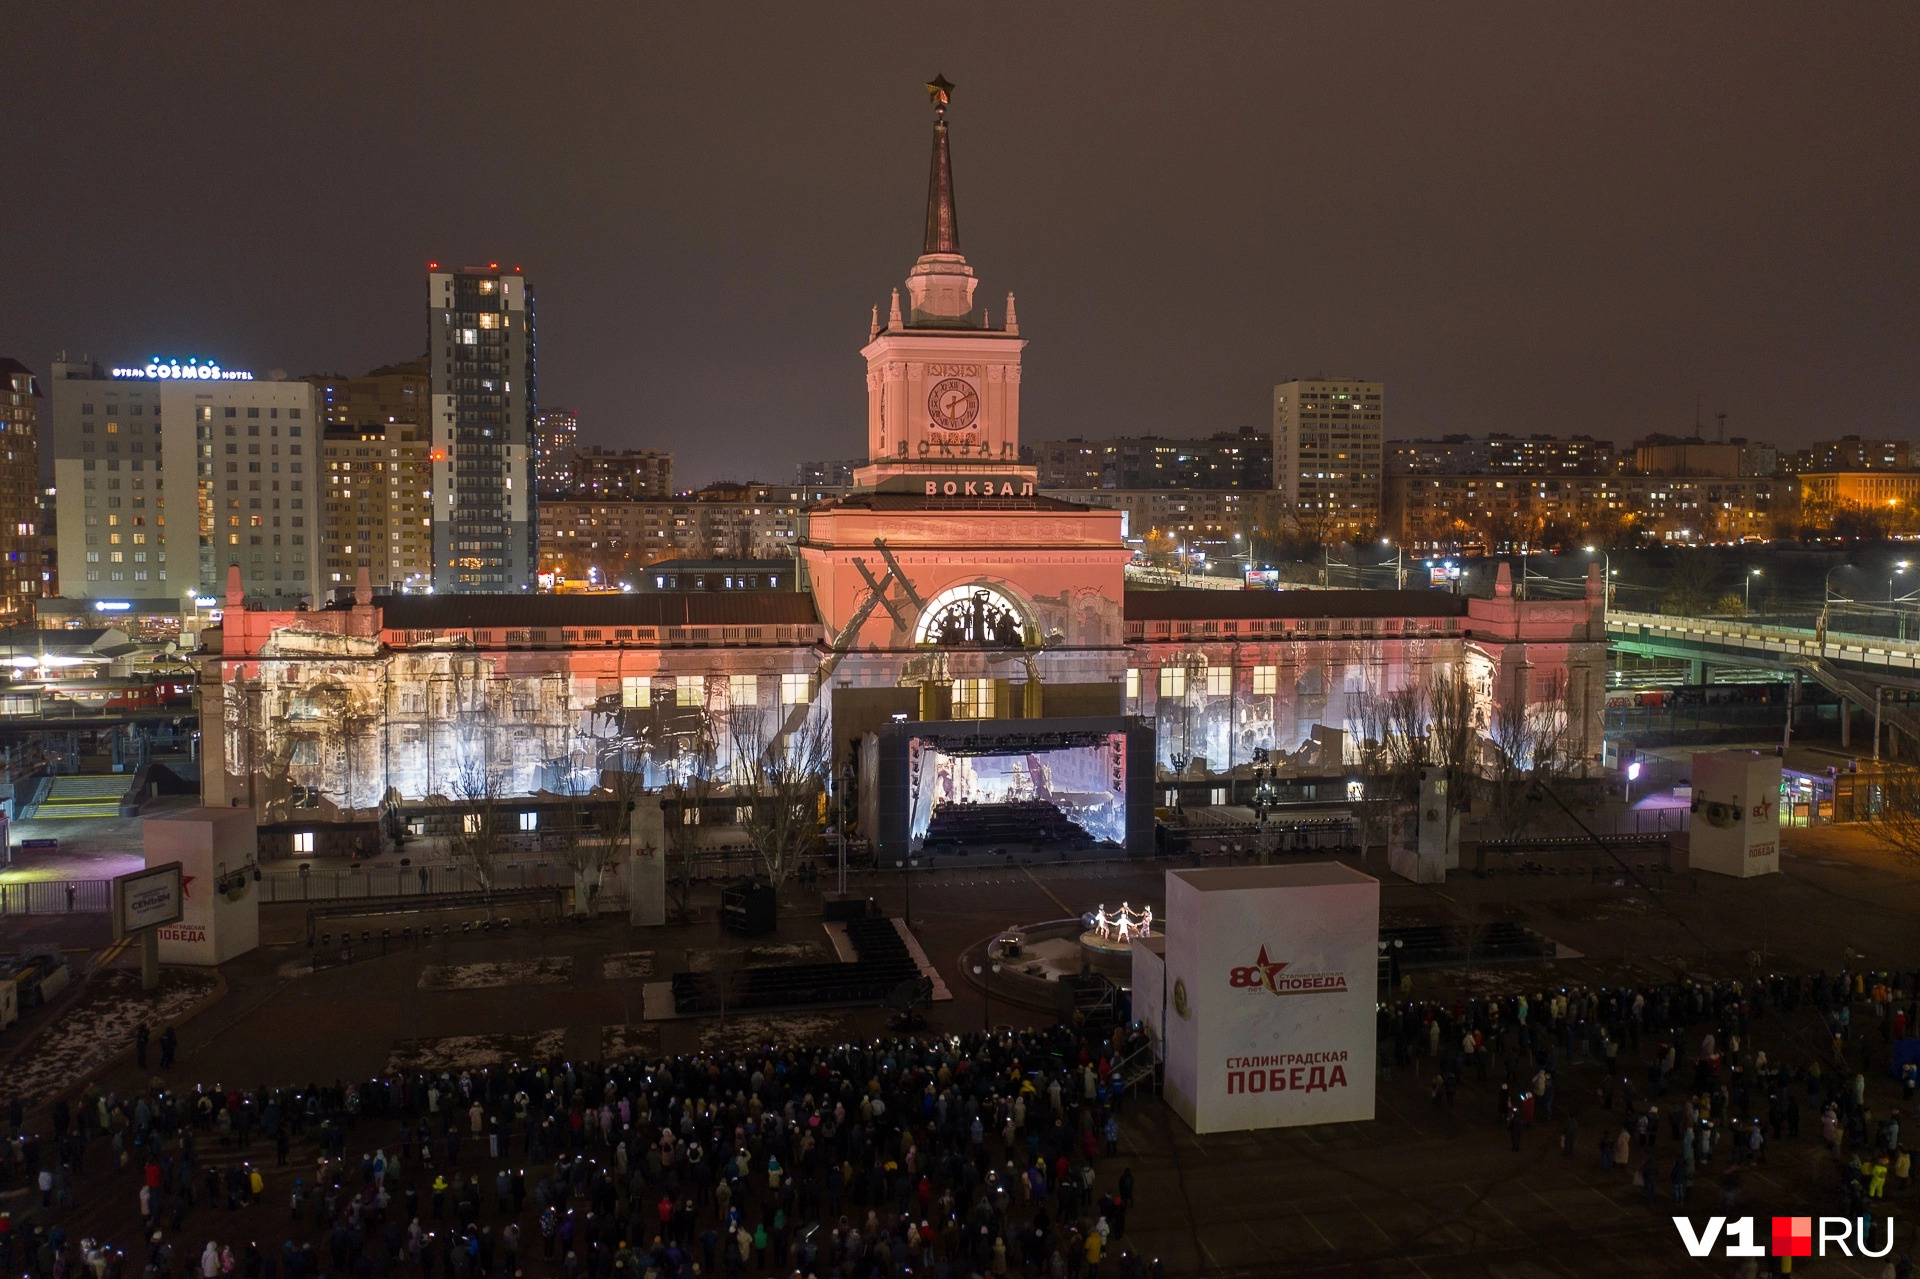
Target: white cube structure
[(216, 850), (1271, 973), (1736, 814)]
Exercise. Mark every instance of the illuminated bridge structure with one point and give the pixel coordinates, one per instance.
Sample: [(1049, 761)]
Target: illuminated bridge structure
[(1863, 670)]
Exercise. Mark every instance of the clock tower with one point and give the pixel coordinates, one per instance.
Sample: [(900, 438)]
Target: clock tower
[(943, 379)]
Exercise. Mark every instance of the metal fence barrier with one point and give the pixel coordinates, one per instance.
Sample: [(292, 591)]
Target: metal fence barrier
[(57, 897)]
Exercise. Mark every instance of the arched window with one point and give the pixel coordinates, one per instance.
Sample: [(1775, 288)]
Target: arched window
[(972, 616)]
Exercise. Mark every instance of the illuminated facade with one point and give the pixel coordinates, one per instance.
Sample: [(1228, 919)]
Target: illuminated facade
[(943, 587)]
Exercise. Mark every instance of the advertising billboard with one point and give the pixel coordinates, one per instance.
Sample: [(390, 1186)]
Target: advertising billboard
[(1270, 1017), (148, 898)]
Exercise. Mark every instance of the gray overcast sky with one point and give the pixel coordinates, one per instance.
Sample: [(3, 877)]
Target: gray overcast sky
[(1520, 217)]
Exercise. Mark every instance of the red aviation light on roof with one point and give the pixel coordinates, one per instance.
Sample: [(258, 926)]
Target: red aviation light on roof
[(493, 266), (433, 266)]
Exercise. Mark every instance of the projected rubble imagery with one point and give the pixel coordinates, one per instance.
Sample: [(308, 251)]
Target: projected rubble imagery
[(1086, 785)]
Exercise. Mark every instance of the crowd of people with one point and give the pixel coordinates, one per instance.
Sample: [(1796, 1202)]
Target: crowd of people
[(945, 1156), (937, 1156), (1723, 1067)]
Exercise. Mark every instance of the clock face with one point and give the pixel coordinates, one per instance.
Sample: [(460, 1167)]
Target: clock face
[(953, 404)]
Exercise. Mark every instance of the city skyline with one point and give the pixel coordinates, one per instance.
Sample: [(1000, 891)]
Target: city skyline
[(1548, 223)]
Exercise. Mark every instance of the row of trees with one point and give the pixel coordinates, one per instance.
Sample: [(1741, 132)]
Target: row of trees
[(1499, 752), (779, 766)]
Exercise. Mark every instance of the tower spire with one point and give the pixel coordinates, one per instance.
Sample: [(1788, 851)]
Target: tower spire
[(943, 223)]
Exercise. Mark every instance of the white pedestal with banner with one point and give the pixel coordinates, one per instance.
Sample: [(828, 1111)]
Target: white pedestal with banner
[(1735, 828), (1271, 974), (216, 850)]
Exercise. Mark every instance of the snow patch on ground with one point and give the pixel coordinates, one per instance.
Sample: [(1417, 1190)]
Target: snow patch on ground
[(741, 1033), (799, 952), (618, 1043), (626, 965), (464, 1052), (101, 1025), (553, 970)]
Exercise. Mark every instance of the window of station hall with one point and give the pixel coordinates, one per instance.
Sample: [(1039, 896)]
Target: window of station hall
[(973, 699)]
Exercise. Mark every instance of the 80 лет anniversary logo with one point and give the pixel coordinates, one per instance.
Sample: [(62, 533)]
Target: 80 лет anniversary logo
[(1787, 1237)]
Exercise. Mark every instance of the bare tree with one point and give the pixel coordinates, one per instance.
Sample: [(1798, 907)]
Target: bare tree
[(779, 778), (475, 832), (1896, 817), (573, 844), (1380, 789), (682, 806), (1453, 742), (1529, 743)]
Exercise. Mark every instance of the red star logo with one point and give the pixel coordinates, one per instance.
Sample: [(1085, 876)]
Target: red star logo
[(186, 886), (1268, 969)]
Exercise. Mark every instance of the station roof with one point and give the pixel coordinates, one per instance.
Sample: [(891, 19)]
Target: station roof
[(650, 608), (1191, 605)]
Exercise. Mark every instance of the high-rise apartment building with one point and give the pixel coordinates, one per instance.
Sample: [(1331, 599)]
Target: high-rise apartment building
[(559, 437), (1326, 452), (632, 473), (827, 471), (19, 491), (481, 343), (1240, 459), (376, 505), (1851, 453), (238, 455)]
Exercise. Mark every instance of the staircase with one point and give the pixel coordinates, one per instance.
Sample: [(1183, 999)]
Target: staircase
[(1842, 684), (76, 796)]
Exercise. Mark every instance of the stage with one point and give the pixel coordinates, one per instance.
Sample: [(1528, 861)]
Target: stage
[(1040, 789)]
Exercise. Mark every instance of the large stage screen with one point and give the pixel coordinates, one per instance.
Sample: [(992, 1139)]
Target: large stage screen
[(1087, 785)]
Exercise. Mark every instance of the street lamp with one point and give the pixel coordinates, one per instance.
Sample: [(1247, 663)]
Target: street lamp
[(1606, 579), (1826, 602), (1893, 604), (986, 1014), (1751, 574)]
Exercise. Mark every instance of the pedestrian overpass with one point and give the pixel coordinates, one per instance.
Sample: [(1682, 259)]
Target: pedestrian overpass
[(1864, 670)]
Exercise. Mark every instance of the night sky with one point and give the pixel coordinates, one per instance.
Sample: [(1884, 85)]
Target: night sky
[(1569, 218)]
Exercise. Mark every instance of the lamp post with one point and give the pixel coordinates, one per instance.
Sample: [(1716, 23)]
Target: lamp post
[(1826, 601), (986, 972), (1751, 574), (1893, 603), (1606, 580), (1399, 564)]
